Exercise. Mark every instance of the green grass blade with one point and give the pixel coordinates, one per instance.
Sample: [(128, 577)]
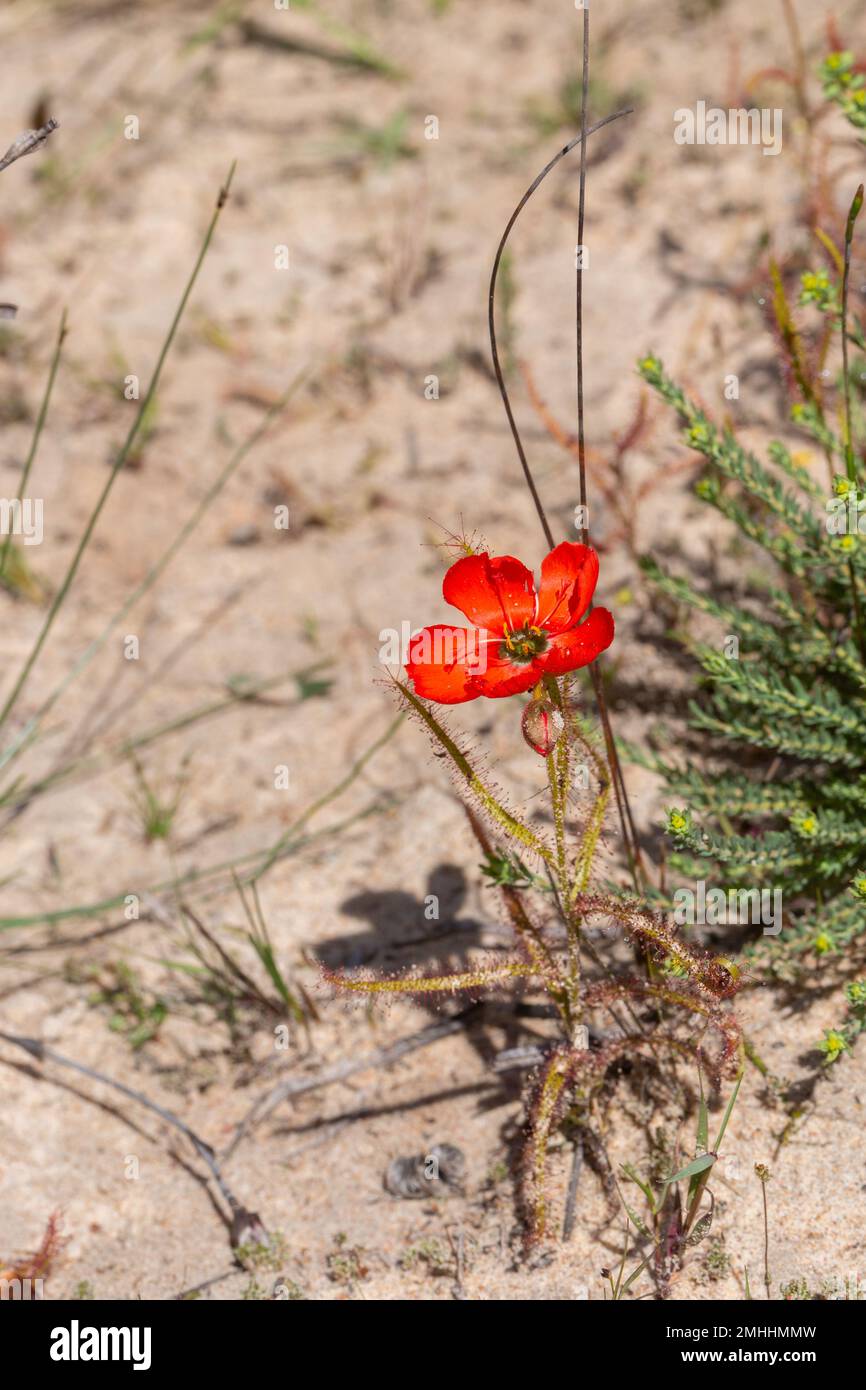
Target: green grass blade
[(697, 1165), (354, 771), (156, 571), (60, 596), (37, 432), (702, 1137), (728, 1112)]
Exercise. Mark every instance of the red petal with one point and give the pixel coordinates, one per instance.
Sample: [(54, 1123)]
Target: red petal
[(495, 592), (441, 662), (580, 645), (502, 678), (568, 578)]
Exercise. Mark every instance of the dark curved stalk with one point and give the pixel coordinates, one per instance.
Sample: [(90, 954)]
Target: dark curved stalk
[(626, 820), (627, 826), (500, 379), (578, 284)]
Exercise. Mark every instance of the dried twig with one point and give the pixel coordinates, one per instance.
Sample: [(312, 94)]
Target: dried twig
[(205, 1284), (341, 1071), (242, 1219), (27, 143), (571, 1197)]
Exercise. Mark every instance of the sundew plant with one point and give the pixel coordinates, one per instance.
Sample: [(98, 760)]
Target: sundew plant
[(610, 1027), (528, 639)]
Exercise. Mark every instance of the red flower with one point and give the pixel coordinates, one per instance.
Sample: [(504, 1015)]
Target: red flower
[(519, 635)]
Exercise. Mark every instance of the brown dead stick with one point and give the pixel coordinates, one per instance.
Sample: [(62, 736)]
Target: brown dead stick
[(243, 1221), (571, 1197), (341, 1071), (27, 143), (205, 1284)]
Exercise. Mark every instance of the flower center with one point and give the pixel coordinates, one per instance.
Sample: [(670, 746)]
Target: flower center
[(523, 645)]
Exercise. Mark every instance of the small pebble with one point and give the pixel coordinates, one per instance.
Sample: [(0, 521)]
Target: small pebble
[(438, 1172), (244, 535)]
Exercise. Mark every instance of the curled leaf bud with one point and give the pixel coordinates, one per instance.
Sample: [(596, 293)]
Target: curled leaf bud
[(853, 215), (543, 726)]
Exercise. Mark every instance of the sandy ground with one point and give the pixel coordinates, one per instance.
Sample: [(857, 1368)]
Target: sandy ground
[(388, 262)]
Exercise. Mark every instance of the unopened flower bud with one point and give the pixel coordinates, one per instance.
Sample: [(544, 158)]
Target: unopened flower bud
[(543, 726)]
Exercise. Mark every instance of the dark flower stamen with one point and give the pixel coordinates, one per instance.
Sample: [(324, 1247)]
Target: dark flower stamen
[(523, 645)]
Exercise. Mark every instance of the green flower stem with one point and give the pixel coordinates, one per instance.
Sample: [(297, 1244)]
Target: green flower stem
[(571, 918)]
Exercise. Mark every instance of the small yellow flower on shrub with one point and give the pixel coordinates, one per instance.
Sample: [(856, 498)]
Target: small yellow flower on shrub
[(858, 887), (855, 993), (817, 288), (832, 1045), (706, 489)]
